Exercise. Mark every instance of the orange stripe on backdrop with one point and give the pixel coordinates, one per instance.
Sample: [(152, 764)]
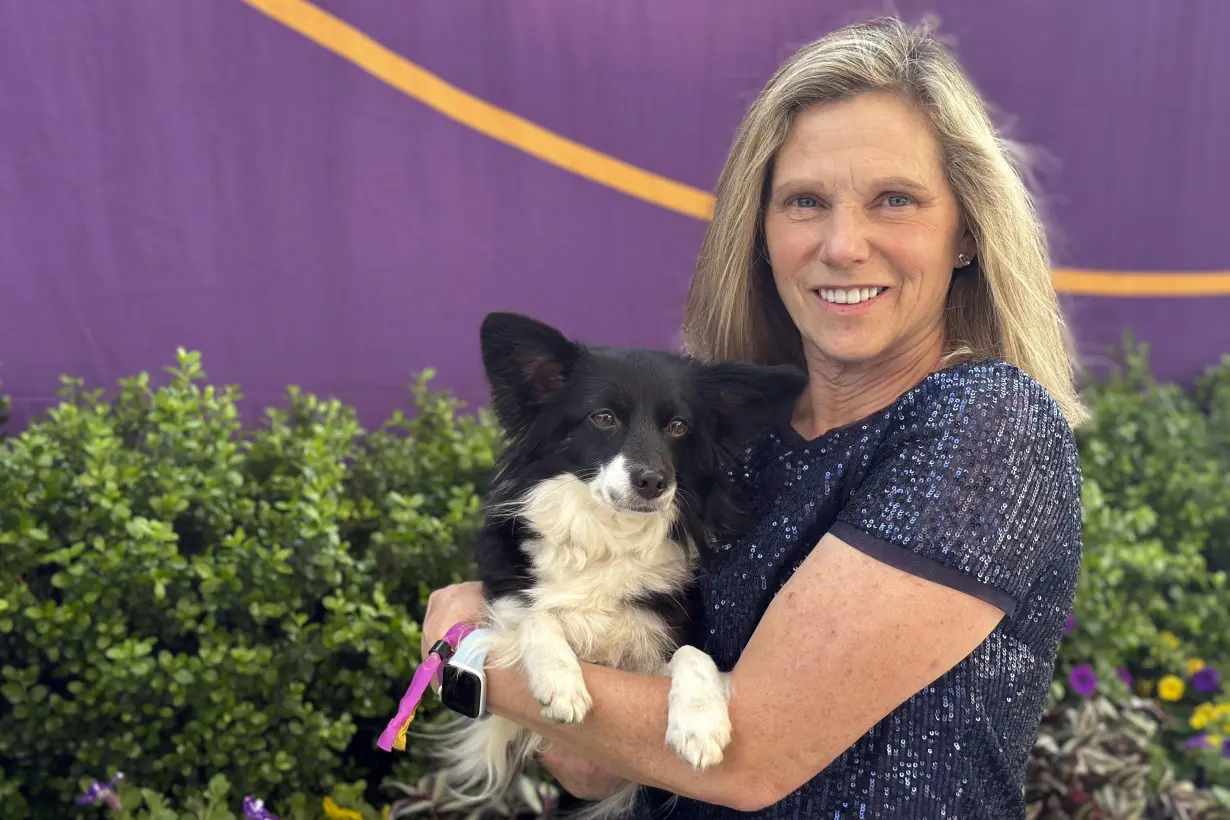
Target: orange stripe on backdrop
[(1134, 284), (416, 82)]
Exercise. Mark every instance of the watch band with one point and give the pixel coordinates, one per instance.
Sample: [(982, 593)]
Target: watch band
[(464, 685), (394, 734), (472, 651)]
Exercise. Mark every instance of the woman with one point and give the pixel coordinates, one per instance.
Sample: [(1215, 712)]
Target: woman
[(891, 626)]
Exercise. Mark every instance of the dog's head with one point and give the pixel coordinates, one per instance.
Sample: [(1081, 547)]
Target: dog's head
[(636, 425)]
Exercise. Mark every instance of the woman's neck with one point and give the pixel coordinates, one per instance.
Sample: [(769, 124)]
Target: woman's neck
[(838, 394)]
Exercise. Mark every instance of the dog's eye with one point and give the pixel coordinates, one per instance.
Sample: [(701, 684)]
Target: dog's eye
[(677, 427), (603, 419)]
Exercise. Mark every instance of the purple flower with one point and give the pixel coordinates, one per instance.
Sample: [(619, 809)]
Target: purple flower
[(1225, 747), (1125, 676), (1198, 741), (1206, 680), (254, 809), (104, 792), (1083, 679), (1071, 624)]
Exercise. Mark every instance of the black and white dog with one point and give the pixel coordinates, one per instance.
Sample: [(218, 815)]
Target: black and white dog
[(611, 484)]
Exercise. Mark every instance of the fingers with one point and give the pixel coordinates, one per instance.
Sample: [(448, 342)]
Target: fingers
[(447, 606)]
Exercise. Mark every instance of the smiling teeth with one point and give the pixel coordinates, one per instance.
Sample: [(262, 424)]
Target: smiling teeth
[(849, 296)]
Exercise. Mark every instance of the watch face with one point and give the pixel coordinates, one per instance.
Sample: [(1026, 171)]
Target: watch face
[(461, 691)]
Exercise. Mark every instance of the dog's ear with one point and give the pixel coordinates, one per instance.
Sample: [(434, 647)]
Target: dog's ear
[(746, 394), (527, 363)]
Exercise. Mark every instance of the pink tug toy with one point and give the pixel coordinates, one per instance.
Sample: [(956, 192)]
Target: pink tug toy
[(394, 735)]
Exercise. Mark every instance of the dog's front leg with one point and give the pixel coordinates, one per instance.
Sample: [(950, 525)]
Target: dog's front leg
[(698, 718), (553, 670)]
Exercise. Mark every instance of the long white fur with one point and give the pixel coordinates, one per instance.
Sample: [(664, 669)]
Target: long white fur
[(590, 557)]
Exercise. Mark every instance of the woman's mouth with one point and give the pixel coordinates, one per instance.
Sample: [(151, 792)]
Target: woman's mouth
[(848, 297)]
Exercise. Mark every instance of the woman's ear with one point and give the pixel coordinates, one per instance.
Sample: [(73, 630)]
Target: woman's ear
[(967, 246)]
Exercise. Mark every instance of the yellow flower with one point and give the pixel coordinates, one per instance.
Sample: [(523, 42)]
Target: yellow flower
[(384, 813), (1194, 665), (1214, 740), (335, 812), (1202, 716), (1170, 688), (1170, 640), (1222, 710)]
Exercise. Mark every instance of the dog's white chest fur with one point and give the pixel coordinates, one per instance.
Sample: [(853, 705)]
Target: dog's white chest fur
[(591, 563)]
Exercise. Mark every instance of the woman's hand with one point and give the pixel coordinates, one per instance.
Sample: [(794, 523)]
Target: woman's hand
[(579, 777), (459, 603), (463, 603)]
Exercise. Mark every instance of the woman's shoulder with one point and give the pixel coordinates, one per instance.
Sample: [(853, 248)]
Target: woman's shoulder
[(978, 472), (984, 394), (984, 416)]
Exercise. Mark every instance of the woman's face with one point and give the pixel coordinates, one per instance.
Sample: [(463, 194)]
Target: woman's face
[(863, 231)]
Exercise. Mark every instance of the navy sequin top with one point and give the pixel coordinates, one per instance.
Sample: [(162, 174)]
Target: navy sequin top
[(972, 480)]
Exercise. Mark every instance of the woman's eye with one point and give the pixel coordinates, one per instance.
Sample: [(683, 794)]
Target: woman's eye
[(805, 202), (897, 200), (677, 427), (603, 419)]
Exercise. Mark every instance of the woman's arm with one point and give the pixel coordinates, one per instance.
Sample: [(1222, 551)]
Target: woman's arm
[(846, 641)]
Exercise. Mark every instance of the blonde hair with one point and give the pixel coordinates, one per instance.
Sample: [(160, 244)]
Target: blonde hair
[(1003, 305)]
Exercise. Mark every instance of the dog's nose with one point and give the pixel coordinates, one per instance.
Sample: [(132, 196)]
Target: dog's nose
[(649, 483)]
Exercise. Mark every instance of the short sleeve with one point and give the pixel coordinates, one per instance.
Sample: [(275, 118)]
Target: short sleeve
[(976, 485)]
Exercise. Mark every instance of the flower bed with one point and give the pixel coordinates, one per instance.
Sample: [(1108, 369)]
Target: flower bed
[(1152, 612)]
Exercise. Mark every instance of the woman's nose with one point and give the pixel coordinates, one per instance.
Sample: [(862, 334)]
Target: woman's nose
[(844, 242)]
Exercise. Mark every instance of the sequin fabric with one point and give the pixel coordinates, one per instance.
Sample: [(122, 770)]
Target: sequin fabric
[(971, 479)]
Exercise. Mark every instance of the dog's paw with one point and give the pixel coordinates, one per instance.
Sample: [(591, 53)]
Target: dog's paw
[(699, 731), (561, 691), (698, 720)]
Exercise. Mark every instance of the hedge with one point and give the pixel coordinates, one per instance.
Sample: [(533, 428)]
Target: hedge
[(193, 600), (185, 595), (1152, 611)]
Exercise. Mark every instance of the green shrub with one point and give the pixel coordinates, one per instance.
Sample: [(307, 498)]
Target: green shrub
[(418, 485), (4, 409), (1156, 504), (184, 596), (1155, 498), (1212, 393)]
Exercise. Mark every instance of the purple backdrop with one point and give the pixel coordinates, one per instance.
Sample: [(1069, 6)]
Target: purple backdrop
[(198, 174)]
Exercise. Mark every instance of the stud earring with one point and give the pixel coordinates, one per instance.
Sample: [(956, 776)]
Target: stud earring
[(962, 260)]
